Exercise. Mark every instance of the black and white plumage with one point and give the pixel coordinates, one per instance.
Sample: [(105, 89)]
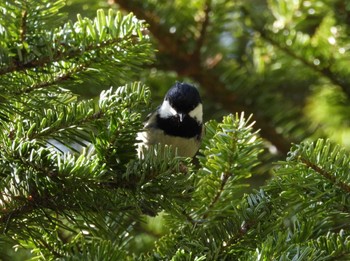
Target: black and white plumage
[(178, 121)]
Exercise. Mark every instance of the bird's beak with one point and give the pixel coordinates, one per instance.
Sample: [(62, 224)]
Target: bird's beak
[(181, 116)]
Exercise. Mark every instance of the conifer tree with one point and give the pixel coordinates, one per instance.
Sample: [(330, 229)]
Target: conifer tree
[(71, 184)]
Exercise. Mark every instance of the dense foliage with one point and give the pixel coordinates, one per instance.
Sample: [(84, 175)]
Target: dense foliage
[(75, 89)]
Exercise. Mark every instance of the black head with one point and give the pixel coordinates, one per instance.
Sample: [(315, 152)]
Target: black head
[(183, 97)]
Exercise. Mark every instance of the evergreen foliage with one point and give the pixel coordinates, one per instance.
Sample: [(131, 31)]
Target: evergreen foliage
[(71, 184)]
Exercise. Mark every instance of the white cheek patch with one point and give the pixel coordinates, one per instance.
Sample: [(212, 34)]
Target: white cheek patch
[(166, 111), (197, 113)]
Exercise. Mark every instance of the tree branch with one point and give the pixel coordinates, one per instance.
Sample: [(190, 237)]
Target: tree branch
[(23, 28), (61, 56), (55, 80), (224, 179), (326, 175), (325, 71), (203, 31)]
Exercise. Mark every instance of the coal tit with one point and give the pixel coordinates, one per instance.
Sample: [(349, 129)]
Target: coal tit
[(178, 121)]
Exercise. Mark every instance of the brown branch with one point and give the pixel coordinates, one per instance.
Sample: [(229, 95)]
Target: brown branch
[(23, 28), (203, 31)]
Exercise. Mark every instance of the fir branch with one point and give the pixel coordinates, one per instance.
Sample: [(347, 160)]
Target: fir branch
[(326, 174), (216, 198), (330, 162), (7, 215), (53, 81), (28, 205), (231, 150), (189, 218), (64, 56), (42, 243), (325, 71), (66, 126)]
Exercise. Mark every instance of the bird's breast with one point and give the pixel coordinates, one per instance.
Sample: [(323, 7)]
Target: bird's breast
[(187, 128)]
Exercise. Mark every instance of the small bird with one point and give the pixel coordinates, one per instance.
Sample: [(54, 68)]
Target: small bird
[(178, 121)]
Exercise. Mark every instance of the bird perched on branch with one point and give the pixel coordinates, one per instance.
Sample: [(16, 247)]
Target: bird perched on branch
[(178, 121)]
